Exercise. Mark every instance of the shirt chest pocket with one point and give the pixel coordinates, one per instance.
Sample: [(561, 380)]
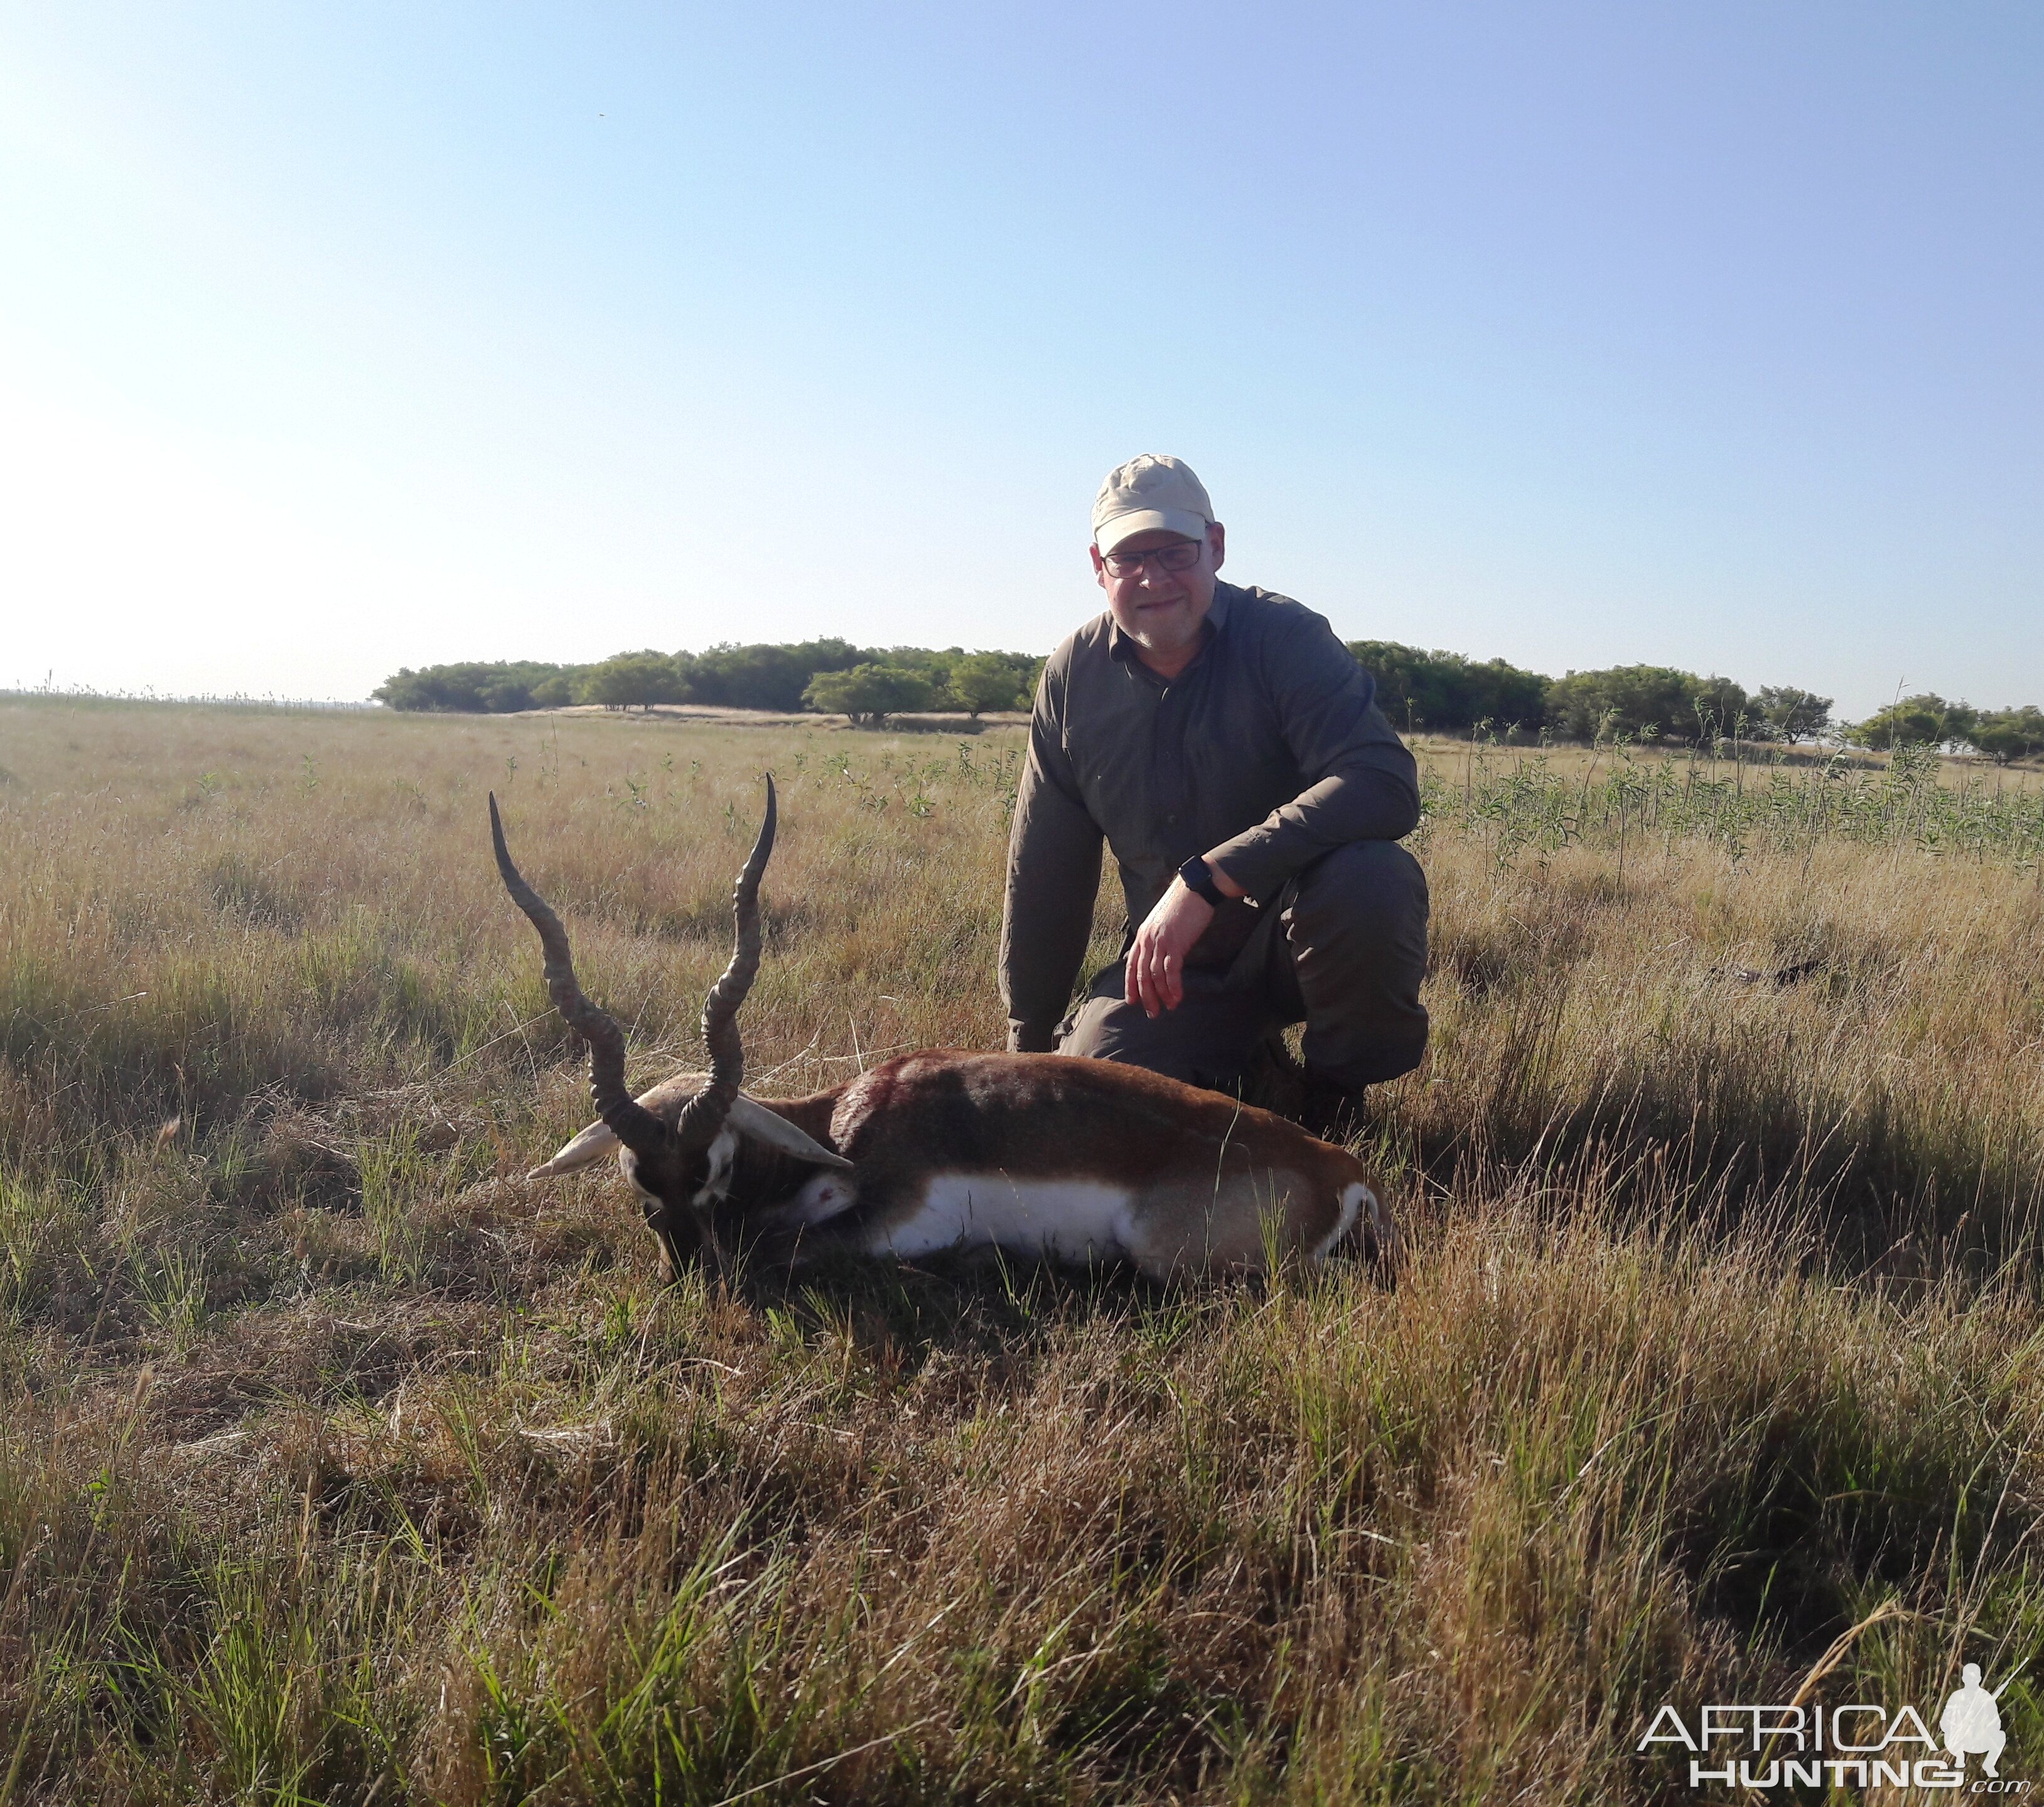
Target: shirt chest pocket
[(1235, 774)]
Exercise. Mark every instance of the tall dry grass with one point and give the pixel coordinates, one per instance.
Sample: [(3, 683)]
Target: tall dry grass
[(338, 1463)]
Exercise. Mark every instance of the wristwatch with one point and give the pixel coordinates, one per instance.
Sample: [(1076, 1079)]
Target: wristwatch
[(1197, 875)]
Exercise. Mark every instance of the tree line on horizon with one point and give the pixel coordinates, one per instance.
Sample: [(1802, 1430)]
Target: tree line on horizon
[(831, 676), (1421, 690)]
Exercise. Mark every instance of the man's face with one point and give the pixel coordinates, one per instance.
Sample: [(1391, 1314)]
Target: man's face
[(1161, 611)]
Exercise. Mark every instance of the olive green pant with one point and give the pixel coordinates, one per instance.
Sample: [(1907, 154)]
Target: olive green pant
[(1343, 948)]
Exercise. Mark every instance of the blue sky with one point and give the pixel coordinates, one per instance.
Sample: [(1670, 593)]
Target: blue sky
[(337, 338)]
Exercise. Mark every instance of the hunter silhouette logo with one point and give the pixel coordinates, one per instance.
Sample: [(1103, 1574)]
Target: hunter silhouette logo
[(1971, 1722), (1856, 1745)]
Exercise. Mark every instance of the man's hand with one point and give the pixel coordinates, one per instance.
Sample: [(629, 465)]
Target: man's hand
[(1155, 974)]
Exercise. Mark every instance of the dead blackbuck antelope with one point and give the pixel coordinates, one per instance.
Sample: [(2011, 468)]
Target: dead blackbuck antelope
[(1041, 1154)]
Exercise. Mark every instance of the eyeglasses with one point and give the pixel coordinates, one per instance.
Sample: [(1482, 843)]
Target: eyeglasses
[(1182, 556)]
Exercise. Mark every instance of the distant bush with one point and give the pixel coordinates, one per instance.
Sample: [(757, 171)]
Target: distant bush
[(1647, 702), (870, 693), (498, 689), (1791, 714), (1928, 719), (1718, 706), (2006, 734), (980, 681), (730, 676), (632, 680), (1925, 720), (1446, 693)]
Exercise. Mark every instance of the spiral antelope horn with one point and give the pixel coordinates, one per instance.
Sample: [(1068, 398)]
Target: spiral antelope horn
[(637, 1128), (704, 1115)]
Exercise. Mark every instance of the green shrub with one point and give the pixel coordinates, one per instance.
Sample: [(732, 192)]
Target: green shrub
[(500, 688), (868, 694), (1446, 693), (1925, 720), (633, 680), (2007, 734), (1791, 714), (1647, 702)]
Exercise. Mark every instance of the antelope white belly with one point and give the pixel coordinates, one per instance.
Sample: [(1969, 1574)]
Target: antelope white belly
[(1074, 1220), (822, 1197), (1355, 1199)]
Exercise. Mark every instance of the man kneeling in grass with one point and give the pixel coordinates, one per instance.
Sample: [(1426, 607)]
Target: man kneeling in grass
[(1231, 752)]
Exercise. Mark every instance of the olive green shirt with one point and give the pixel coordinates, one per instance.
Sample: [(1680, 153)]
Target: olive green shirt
[(1265, 752)]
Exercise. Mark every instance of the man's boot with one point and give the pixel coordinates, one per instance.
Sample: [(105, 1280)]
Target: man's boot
[(1272, 1079), (1334, 1113)]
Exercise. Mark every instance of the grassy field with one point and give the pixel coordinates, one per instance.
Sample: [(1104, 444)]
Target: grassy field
[(339, 1463)]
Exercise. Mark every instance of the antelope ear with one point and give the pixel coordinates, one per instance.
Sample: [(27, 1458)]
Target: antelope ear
[(666, 1100), (585, 1150), (750, 1117)]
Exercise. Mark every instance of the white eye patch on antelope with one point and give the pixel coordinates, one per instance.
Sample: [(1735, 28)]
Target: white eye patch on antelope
[(1048, 1157)]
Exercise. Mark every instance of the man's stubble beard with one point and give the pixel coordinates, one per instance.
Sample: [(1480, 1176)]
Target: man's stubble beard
[(1168, 631)]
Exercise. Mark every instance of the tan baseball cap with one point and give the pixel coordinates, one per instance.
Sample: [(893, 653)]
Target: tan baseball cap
[(1148, 494)]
